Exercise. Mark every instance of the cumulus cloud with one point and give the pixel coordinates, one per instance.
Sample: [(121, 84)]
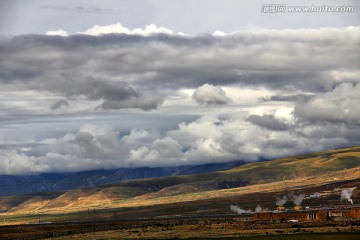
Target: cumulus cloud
[(209, 94), (207, 139), (13, 162), (162, 151), (340, 104)]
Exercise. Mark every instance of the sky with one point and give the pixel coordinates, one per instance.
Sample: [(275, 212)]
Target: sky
[(106, 84)]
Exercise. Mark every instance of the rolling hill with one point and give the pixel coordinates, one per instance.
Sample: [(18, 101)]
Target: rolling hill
[(46, 182), (290, 173)]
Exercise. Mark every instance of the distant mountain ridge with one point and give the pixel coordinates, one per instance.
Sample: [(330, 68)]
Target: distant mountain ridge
[(50, 182), (296, 172)]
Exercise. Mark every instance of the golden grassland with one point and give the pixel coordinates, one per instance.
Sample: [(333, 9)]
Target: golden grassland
[(293, 184)]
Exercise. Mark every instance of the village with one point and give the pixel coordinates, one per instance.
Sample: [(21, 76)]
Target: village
[(300, 213)]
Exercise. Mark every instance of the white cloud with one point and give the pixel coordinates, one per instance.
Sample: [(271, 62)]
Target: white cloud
[(219, 33), (13, 162), (139, 154), (168, 148), (209, 94), (210, 138), (118, 28), (59, 32), (340, 104)]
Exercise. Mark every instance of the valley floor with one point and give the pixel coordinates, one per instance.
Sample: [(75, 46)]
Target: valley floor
[(218, 232), (197, 228)]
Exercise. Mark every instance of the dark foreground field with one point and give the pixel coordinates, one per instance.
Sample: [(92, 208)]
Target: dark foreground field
[(184, 228), (313, 236), (227, 231)]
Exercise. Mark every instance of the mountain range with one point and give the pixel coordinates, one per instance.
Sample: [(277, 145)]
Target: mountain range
[(307, 173), (51, 182)]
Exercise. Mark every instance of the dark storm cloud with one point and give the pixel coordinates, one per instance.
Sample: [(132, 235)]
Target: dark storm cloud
[(59, 104), (279, 60), (269, 122)]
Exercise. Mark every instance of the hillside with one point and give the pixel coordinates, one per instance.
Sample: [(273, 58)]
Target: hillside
[(298, 172), (46, 182)]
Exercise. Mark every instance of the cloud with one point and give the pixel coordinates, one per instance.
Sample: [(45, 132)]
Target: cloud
[(118, 28), (142, 103), (81, 9), (265, 58), (207, 139), (219, 33), (209, 94), (269, 122), (95, 89), (13, 162), (339, 105), (59, 32), (162, 151), (291, 98), (176, 61), (59, 104), (291, 91), (115, 95), (95, 10)]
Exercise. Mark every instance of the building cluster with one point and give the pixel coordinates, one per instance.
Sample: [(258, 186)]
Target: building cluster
[(308, 215)]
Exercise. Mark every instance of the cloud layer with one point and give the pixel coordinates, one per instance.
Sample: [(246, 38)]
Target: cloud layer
[(115, 97)]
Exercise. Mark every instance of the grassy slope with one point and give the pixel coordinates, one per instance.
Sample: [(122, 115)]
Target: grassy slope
[(291, 172), (296, 167)]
